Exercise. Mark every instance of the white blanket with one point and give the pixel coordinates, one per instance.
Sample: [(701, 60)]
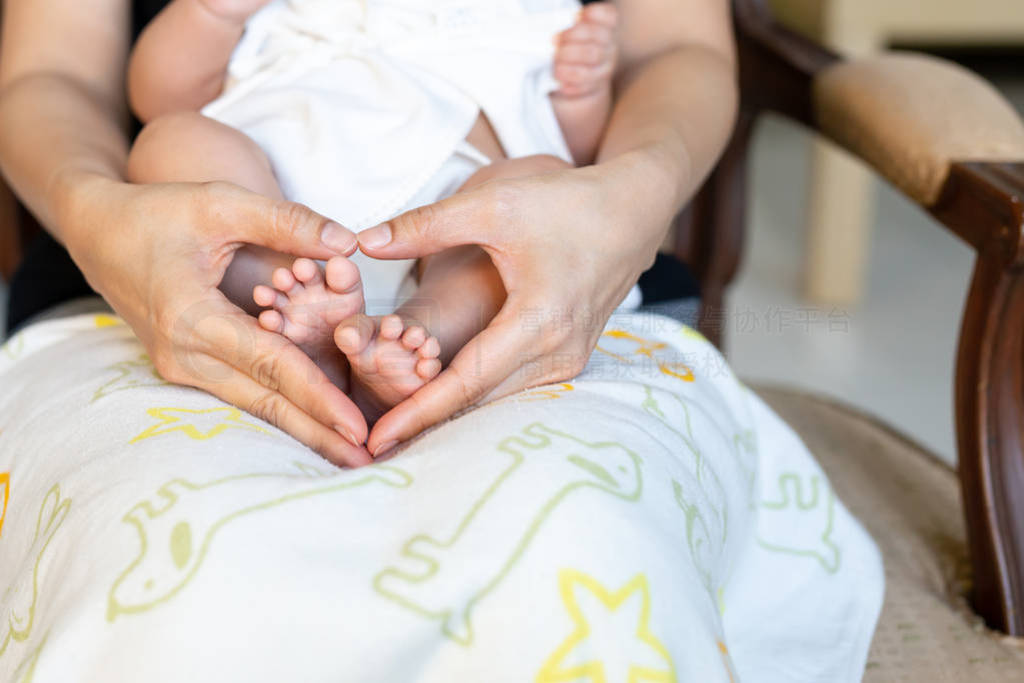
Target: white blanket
[(651, 520)]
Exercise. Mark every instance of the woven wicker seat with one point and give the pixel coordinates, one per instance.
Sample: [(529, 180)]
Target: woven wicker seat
[(909, 501)]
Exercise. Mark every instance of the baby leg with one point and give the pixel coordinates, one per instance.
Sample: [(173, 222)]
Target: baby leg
[(189, 147), (306, 305), (459, 293)]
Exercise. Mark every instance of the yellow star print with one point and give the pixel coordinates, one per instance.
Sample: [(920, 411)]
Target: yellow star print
[(602, 617), (678, 370), (102, 320), (691, 333), (644, 347), (726, 661), (191, 422), (5, 486), (547, 393), (647, 349)]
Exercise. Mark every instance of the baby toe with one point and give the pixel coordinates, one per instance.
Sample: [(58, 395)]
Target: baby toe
[(391, 327), (354, 335), (265, 296), (307, 272), (431, 348), (586, 54), (573, 74), (576, 80), (586, 32), (603, 13), (342, 275), (428, 368), (413, 337), (284, 280), (271, 321)]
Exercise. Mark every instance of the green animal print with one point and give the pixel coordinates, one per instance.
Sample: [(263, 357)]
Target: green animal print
[(448, 575), (26, 671), (130, 374), (800, 522), (706, 477), (703, 545), (24, 593), (177, 526)]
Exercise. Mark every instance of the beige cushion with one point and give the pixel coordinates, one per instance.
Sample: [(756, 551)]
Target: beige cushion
[(910, 503), (910, 116)]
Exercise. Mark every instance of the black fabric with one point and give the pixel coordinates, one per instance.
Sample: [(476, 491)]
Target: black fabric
[(48, 276), (668, 280), (143, 12)]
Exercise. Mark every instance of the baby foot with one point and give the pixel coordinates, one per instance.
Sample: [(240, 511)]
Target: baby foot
[(586, 55), (389, 359), (306, 304)]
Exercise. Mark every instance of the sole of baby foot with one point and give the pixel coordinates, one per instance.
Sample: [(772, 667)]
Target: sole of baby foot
[(389, 359), (306, 303)]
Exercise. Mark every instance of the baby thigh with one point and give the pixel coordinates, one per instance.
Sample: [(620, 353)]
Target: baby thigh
[(190, 147)]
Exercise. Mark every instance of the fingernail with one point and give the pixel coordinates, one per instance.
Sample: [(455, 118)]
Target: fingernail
[(380, 450), (377, 237), (337, 238), (347, 434)]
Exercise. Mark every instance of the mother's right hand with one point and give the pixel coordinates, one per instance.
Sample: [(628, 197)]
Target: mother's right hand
[(157, 254)]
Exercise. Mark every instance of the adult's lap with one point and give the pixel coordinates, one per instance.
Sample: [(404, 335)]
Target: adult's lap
[(595, 520)]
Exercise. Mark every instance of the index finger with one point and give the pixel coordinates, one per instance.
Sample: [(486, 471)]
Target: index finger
[(488, 366), (459, 220), (280, 225)]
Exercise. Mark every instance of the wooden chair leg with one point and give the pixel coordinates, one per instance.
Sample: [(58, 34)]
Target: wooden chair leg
[(710, 232), (983, 203), (990, 433)]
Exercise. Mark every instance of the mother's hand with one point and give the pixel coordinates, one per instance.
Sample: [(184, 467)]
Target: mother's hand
[(568, 245), (157, 254)]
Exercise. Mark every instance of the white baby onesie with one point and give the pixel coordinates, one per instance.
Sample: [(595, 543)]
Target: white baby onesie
[(359, 104)]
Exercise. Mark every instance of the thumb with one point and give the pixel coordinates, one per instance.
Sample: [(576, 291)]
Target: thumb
[(288, 227), (456, 221)]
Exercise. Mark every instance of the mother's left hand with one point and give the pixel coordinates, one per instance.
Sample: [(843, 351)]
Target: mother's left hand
[(568, 245)]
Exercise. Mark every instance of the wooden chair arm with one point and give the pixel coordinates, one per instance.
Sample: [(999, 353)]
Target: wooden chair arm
[(971, 181), (777, 66), (983, 203), (912, 116)]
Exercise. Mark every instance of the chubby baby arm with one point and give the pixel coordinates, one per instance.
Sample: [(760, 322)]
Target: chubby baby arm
[(180, 61)]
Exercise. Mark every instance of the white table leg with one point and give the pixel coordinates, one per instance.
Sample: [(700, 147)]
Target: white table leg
[(840, 204), (839, 214)]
